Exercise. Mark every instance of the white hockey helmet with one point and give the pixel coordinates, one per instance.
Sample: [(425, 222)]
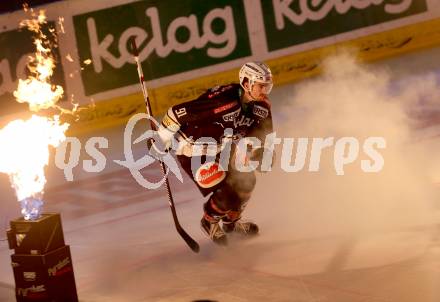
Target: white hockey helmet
[(256, 72)]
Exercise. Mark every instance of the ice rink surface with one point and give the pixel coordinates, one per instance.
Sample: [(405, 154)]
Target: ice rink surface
[(323, 237)]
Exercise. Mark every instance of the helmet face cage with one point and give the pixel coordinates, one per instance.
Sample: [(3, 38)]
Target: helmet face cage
[(256, 72)]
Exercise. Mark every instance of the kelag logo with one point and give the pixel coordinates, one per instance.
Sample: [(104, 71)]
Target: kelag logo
[(173, 37), (292, 22)]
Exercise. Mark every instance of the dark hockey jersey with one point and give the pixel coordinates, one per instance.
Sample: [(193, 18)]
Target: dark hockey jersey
[(214, 111)]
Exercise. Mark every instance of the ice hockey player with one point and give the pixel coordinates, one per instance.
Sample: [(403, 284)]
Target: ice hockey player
[(245, 109)]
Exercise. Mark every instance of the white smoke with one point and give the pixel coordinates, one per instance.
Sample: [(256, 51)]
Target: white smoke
[(352, 100)]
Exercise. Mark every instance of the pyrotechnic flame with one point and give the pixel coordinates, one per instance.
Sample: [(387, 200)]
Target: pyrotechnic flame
[(25, 145), (25, 152), (37, 90), (38, 94), (61, 23)]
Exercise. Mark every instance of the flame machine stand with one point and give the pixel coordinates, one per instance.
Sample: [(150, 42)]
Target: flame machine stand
[(42, 263)]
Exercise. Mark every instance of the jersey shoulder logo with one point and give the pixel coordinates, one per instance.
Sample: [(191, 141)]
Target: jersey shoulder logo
[(230, 117), (260, 111)]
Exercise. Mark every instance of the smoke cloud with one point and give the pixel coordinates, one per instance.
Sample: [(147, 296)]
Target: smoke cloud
[(324, 221), (352, 100)]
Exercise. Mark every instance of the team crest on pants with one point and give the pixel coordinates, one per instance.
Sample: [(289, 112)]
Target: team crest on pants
[(209, 175)]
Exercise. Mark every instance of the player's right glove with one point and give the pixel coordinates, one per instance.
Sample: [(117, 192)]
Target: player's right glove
[(162, 140)]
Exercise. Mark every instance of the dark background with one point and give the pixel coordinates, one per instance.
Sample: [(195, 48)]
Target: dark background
[(7, 6)]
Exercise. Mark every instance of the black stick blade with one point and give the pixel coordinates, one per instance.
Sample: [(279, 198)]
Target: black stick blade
[(188, 239)]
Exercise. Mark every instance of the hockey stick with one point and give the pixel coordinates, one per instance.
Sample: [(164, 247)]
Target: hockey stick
[(189, 241)]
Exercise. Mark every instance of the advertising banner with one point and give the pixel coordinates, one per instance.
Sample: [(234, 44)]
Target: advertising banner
[(289, 23), (173, 37)]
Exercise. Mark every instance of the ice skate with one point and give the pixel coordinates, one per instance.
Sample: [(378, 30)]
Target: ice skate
[(243, 228), (214, 231)]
